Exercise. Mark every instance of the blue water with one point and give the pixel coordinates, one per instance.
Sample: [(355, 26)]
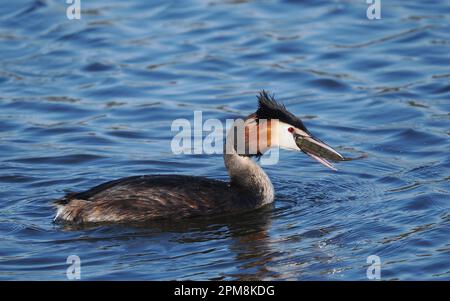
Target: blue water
[(91, 100)]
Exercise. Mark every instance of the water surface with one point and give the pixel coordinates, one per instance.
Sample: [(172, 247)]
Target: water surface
[(87, 101)]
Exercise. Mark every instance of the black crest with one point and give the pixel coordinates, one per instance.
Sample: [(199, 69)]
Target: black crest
[(269, 108)]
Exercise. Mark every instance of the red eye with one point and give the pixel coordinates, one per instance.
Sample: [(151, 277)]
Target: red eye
[(291, 130)]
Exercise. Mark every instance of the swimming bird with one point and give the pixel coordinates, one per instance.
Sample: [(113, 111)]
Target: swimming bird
[(152, 197)]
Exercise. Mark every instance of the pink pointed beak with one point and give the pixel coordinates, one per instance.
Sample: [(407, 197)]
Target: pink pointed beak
[(318, 150)]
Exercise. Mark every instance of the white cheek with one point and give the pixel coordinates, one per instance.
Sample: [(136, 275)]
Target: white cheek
[(286, 139)]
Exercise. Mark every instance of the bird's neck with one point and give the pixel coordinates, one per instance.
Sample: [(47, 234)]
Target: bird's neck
[(250, 177)]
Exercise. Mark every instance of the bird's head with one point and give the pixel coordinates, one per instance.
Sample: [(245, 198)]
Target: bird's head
[(272, 125)]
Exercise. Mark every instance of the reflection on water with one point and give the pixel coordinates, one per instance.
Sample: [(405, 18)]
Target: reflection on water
[(83, 102)]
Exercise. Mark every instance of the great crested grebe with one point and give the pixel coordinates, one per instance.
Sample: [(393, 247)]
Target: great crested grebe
[(151, 197)]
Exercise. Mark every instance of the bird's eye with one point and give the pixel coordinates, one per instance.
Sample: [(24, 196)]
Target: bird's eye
[(291, 130)]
